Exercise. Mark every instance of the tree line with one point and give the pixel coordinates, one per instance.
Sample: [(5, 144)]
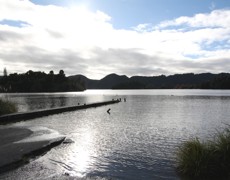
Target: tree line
[(39, 82)]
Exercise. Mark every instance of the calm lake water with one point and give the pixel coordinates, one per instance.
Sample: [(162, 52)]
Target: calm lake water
[(137, 140)]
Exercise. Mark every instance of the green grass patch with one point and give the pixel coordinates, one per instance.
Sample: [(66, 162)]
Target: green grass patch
[(7, 107), (205, 160)]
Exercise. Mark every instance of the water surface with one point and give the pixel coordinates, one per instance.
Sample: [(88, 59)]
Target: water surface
[(137, 140)]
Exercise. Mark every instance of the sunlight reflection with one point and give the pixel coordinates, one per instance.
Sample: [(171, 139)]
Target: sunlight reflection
[(80, 156), (82, 161)]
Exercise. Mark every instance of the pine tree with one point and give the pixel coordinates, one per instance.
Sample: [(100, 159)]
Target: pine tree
[(4, 72)]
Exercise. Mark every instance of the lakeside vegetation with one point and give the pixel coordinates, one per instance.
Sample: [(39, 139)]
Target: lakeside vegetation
[(39, 82), (7, 107), (205, 160)]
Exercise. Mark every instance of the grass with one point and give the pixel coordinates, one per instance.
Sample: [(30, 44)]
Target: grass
[(205, 160), (7, 107)]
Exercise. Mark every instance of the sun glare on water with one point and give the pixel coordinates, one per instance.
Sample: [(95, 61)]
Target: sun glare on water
[(80, 157)]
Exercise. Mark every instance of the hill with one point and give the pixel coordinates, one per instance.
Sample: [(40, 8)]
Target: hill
[(42, 82), (177, 81), (108, 82)]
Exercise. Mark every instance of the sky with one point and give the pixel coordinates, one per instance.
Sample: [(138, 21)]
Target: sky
[(128, 37)]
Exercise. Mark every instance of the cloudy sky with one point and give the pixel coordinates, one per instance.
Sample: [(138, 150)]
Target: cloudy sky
[(99, 37)]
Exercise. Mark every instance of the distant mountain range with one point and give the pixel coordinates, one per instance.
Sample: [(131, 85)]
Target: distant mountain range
[(177, 81)]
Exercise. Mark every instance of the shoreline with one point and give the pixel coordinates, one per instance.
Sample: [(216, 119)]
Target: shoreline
[(20, 144)]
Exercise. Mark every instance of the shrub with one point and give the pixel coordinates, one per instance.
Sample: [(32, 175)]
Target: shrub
[(7, 107), (222, 151), (205, 160)]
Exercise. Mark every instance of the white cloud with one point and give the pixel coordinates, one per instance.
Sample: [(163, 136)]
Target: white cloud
[(146, 27), (217, 18), (80, 41)]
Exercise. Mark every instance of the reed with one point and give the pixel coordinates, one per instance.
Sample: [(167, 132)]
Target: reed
[(7, 107), (205, 160)]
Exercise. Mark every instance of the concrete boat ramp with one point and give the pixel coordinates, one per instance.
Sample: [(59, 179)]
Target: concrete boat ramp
[(19, 144)]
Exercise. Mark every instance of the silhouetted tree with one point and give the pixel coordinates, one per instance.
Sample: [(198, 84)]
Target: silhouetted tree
[(51, 72), (4, 72), (61, 72), (38, 82)]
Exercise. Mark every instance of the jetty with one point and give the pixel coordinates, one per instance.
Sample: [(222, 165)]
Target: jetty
[(22, 116)]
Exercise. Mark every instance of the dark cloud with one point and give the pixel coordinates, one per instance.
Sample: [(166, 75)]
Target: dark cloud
[(129, 62), (9, 36)]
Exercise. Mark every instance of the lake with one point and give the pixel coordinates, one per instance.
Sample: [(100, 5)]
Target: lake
[(137, 140)]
